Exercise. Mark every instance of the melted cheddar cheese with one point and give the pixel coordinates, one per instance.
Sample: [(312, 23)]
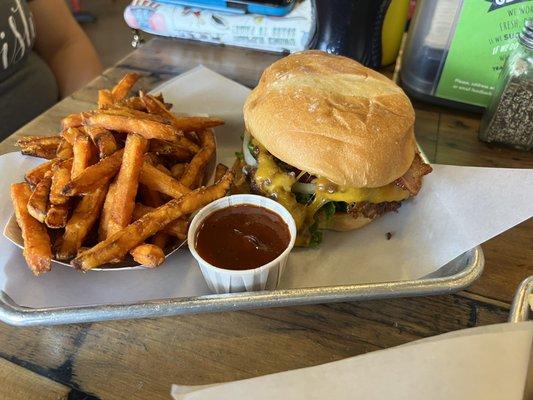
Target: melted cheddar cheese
[(277, 184)]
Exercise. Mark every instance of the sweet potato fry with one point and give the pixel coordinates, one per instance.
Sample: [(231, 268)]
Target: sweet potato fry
[(39, 140), (46, 150), (60, 177), (38, 202), (220, 170), (157, 180), (177, 228), (64, 150), (105, 98), (80, 223), (105, 215), (185, 124), (118, 244), (148, 255), (34, 175), (103, 139), (37, 246), (69, 134), (173, 149), (160, 239), (132, 113), (123, 87), (94, 176), (126, 183), (133, 103), (83, 153), (163, 169), (153, 199), (71, 121), (146, 128), (193, 172), (57, 214), (177, 170)]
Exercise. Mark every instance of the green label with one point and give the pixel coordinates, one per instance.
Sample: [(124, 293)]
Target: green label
[(486, 32)]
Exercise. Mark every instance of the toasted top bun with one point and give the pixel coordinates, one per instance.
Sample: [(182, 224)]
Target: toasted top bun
[(332, 117)]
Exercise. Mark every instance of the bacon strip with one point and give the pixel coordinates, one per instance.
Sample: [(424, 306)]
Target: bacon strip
[(412, 179)]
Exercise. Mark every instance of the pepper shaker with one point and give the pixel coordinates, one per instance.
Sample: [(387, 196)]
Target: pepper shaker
[(509, 116)]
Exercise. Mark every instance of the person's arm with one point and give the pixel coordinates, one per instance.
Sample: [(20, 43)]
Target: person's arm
[(63, 45)]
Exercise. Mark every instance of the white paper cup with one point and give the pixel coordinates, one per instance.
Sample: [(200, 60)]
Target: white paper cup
[(265, 277)]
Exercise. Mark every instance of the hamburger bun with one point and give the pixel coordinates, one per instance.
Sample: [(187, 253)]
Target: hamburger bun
[(332, 117)]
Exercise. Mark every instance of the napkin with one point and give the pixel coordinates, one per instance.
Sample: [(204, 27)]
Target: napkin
[(489, 362)]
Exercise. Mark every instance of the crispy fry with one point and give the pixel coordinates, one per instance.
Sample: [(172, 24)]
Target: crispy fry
[(57, 214), (146, 128), (71, 121), (184, 124), (47, 150), (123, 87), (38, 140), (80, 223), (126, 183), (69, 134), (157, 180), (103, 139), (64, 150), (174, 149), (105, 98), (34, 175), (220, 170), (163, 169), (148, 255), (38, 202), (37, 246), (105, 216), (83, 153), (94, 176), (177, 228), (177, 170), (153, 198), (60, 176), (192, 173), (132, 113), (133, 103), (117, 245), (160, 239)]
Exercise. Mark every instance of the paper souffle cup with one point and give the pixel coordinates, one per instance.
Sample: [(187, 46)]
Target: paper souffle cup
[(265, 277)]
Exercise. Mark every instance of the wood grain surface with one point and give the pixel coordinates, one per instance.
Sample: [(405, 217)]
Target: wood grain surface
[(139, 359), (20, 383)]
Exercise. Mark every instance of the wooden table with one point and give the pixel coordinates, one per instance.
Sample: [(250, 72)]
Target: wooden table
[(139, 359)]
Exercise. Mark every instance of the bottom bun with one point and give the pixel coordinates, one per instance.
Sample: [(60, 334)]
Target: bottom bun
[(344, 222)]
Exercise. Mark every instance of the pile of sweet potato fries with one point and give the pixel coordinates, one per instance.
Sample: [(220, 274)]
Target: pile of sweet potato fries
[(121, 179)]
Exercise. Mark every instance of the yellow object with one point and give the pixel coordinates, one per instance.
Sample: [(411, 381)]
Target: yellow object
[(277, 184), (392, 30)]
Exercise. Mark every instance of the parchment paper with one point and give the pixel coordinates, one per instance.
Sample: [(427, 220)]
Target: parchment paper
[(489, 363), (458, 208)]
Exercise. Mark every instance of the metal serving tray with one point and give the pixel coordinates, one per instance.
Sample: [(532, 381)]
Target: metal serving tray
[(520, 310), (454, 276)]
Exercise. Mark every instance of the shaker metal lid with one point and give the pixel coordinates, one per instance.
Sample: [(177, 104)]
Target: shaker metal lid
[(526, 36)]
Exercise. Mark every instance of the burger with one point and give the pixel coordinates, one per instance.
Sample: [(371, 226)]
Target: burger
[(332, 141)]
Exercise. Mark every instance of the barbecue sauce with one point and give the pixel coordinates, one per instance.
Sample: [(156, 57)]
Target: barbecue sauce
[(242, 237)]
